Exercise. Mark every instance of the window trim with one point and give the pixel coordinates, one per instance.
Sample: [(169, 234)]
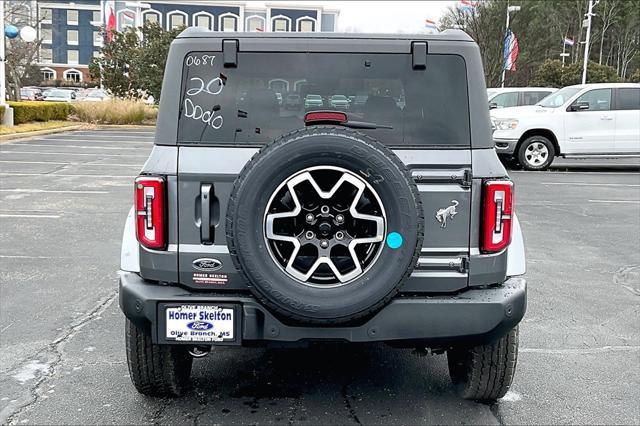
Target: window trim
[(66, 73), (152, 12), (262, 18), (273, 21), (48, 40), (300, 20), (51, 70), (71, 42), (46, 21), (93, 21), (176, 12), (73, 22), (99, 43), (212, 19), (69, 61), (228, 15), (45, 61), (119, 19)]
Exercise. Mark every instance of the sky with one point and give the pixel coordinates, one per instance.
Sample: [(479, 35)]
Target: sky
[(381, 16)]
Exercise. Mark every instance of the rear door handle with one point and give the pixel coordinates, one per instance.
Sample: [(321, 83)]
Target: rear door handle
[(205, 223)]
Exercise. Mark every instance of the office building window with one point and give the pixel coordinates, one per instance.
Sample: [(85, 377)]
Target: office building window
[(46, 55), (255, 23), (306, 26), (203, 21), (72, 17), (45, 15), (46, 35), (177, 20), (48, 74), (72, 56), (96, 18), (72, 37), (228, 23), (280, 25), (97, 38), (73, 75), (152, 17)]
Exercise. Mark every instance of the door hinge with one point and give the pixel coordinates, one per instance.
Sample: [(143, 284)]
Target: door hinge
[(467, 179)]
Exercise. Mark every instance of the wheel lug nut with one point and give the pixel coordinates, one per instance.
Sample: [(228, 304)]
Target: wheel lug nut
[(309, 235), (324, 209), (339, 235), (309, 217), (339, 218), (324, 243)]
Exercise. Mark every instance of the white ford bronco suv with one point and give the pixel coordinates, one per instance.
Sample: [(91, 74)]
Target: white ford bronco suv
[(256, 223)]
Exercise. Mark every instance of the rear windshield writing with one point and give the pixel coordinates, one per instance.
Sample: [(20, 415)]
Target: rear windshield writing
[(268, 95)]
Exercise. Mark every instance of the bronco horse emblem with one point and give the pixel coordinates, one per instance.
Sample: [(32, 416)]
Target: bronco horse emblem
[(448, 212)]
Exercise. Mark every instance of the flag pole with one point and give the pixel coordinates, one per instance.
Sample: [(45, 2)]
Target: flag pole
[(505, 34), (586, 46), (564, 46)]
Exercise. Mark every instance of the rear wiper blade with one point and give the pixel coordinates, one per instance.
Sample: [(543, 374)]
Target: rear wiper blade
[(364, 125)]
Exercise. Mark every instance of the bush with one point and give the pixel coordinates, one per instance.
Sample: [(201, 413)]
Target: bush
[(551, 74), (113, 111), (25, 112)]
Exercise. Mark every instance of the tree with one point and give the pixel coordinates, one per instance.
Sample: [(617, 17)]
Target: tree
[(541, 27), (132, 65), (19, 55), (551, 74)]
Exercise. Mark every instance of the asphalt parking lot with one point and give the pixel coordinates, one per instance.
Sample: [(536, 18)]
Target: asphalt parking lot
[(63, 201)]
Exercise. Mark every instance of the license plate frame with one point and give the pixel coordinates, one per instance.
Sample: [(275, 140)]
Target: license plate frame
[(162, 329)]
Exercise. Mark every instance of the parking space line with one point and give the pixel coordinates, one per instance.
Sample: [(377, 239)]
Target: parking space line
[(615, 201), (35, 216), (589, 184), (73, 153), (70, 164), (76, 146), (53, 191), (64, 175)]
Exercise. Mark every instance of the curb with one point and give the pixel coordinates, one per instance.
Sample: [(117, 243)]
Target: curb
[(24, 135)]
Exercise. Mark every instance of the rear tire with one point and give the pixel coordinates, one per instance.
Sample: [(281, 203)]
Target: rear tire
[(484, 373), (536, 153), (156, 370)]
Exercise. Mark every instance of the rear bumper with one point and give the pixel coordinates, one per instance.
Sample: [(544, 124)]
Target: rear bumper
[(505, 146), (471, 317)]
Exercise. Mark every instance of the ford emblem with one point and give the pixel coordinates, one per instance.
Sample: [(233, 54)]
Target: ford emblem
[(200, 325), (207, 264)]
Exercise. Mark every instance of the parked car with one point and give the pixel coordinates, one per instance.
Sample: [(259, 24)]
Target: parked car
[(30, 94), (93, 95), (292, 101), (508, 97), (60, 95), (313, 102), (325, 233), (340, 102), (576, 121)]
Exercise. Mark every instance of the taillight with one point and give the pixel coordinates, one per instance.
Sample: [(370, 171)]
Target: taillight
[(150, 201), (497, 210)]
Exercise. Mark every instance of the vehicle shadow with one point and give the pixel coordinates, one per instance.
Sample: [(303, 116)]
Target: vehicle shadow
[(323, 384)]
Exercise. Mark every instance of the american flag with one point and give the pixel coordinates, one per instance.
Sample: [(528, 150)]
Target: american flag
[(510, 52), (429, 24)]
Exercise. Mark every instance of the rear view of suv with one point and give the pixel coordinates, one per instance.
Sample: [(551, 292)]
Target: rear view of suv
[(257, 225)]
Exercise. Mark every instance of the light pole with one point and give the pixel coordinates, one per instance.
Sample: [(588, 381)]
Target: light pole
[(506, 29), (586, 45), (7, 117)]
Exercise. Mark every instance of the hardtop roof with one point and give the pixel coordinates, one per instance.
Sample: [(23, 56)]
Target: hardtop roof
[(447, 35)]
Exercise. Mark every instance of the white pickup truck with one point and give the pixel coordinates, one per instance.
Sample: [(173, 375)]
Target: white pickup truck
[(590, 120)]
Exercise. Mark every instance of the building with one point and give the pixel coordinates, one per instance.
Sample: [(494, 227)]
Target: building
[(70, 30)]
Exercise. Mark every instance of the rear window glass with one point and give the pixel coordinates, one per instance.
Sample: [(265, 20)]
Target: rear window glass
[(268, 95)]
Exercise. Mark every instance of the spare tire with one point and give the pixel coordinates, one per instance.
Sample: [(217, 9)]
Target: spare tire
[(325, 223)]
